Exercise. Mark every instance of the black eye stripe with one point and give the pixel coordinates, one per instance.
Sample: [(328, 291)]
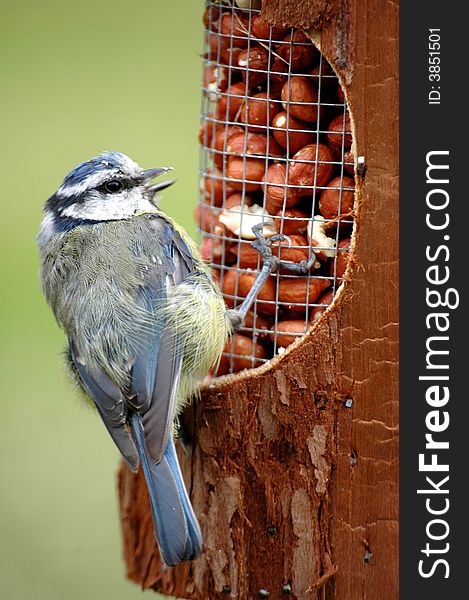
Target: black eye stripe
[(115, 185)]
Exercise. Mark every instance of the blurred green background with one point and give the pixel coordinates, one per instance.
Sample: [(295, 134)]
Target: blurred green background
[(76, 78)]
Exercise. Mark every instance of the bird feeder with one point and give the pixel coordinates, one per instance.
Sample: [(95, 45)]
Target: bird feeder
[(291, 460)]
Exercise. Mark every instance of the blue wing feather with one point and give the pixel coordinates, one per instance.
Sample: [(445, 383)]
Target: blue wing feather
[(155, 381), (110, 404), (144, 367)]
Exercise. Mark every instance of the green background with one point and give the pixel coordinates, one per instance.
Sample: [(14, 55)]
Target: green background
[(76, 78)]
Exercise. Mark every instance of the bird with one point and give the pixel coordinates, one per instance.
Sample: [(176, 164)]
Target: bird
[(144, 320)]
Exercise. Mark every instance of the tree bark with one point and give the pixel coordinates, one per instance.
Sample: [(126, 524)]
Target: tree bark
[(293, 470)]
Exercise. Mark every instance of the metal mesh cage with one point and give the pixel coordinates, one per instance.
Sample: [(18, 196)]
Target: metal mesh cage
[(275, 148)]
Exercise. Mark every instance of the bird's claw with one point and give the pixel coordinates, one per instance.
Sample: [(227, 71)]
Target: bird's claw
[(278, 237), (271, 264), (264, 245)]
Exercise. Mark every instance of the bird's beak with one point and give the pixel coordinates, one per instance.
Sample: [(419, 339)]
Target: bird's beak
[(150, 174)]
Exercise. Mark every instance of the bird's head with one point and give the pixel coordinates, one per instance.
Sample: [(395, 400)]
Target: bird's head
[(107, 187)]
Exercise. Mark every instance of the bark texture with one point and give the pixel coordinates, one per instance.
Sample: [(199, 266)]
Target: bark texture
[(296, 490), (307, 14)]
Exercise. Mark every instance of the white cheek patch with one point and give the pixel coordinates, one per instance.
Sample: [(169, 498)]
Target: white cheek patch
[(101, 207)]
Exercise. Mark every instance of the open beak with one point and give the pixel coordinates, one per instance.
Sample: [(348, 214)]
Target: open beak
[(150, 174)]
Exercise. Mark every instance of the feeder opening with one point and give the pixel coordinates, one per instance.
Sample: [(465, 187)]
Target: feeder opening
[(276, 148)]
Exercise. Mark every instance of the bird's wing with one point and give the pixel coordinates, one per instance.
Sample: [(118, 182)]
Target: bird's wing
[(110, 404), (157, 368), (155, 372)]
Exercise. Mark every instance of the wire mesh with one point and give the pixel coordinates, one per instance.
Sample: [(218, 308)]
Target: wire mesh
[(276, 148)]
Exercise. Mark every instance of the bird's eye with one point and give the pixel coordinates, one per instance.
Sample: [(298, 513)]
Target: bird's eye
[(113, 186)]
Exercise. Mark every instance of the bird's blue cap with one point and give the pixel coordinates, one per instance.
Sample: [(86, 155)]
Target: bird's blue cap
[(103, 162)]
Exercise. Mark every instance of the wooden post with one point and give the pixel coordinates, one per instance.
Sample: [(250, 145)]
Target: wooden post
[(294, 467)]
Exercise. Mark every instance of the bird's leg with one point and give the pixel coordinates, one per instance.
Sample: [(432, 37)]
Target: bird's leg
[(271, 264)]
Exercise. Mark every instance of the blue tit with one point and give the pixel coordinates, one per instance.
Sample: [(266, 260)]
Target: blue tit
[(145, 323), (143, 318)]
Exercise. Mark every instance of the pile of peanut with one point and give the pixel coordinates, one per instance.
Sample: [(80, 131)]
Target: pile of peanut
[(276, 141)]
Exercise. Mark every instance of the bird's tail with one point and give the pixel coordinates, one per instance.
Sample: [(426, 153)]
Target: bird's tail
[(176, 526)]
